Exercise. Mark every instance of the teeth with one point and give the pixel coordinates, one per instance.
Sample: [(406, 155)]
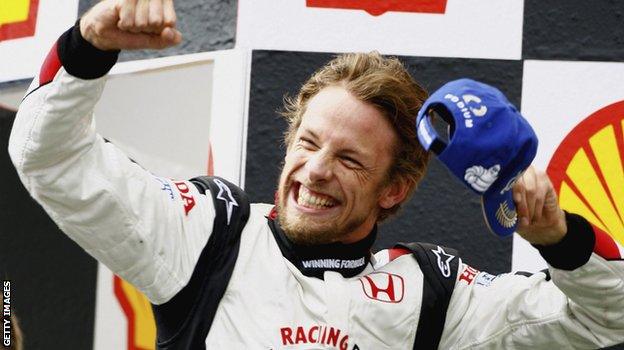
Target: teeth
[(312, 201)]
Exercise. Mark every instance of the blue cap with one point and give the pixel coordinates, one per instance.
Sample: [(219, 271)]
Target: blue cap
[(489, 146)]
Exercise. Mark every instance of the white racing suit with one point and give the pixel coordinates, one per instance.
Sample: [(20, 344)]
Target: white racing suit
[(221, 274)]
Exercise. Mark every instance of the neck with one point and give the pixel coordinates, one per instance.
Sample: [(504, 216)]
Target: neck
[(348, 257), (361, 232)]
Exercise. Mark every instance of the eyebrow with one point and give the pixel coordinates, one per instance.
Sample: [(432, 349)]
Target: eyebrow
[(354, 152), (345, 151), (312, 133)]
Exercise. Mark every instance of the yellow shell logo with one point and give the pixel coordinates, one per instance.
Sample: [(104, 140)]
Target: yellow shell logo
[(18, 18), (587, 170), (138, 310)]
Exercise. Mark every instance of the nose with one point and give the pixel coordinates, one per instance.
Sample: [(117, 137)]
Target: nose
[(319, 167)]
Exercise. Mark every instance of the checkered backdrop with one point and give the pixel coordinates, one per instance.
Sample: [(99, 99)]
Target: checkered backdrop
[(559, 61)]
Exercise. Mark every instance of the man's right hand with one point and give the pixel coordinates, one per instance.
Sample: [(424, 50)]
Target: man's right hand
[(131, 24)]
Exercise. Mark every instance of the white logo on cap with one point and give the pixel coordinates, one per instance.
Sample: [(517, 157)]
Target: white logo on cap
[(479, 112), (480, 178), (467, 111)]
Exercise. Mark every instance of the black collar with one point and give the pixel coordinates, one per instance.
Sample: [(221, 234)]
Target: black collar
[(347, 259)]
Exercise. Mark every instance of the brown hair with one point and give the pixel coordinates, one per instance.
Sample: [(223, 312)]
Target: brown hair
[(385, 83), (17, 342)]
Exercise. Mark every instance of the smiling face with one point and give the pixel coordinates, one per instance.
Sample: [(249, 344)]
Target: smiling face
[(335, 176)]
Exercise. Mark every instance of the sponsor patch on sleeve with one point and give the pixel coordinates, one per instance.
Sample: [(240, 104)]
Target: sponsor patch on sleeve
[(485, 279), (183, 189), (468, 274), (165, 186)]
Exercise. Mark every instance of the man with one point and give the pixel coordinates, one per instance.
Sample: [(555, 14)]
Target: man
[(224, 274)]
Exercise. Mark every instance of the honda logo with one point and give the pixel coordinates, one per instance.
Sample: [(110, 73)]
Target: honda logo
[(382, 286)]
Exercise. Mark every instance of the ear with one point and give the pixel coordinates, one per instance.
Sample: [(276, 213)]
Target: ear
[(393, 194)]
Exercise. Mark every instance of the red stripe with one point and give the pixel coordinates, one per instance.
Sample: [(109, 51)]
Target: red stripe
[(273, 213), (210, 160), (378, 7), (394, 253), (127, 309), (50, 67), (605, 245)]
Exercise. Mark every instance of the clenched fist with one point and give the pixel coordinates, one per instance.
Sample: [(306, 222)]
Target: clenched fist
[(131, 24), (541, 220)]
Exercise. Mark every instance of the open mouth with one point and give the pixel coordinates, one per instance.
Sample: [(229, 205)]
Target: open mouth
[(311, 199)]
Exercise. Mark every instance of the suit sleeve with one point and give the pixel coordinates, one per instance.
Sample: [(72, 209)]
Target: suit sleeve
[(148, 230), (577, 303)]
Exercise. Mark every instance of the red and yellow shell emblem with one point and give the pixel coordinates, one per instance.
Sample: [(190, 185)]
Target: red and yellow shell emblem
[(379, 7), (141, 326), (587, 170), (18, 18)]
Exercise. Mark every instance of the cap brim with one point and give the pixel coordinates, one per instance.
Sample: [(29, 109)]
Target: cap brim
[(499, 211)]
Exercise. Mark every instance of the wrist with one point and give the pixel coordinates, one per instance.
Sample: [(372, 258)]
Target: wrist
[(549, 233), (558, 232), (575, 246), (80, 57)]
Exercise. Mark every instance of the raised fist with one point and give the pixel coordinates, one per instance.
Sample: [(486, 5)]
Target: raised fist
[(541, 219), (131, 24)]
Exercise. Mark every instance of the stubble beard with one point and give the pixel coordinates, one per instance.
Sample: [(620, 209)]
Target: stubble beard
[(305, 230)]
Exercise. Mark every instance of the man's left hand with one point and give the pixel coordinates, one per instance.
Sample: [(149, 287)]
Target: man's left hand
[(540, 219)]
